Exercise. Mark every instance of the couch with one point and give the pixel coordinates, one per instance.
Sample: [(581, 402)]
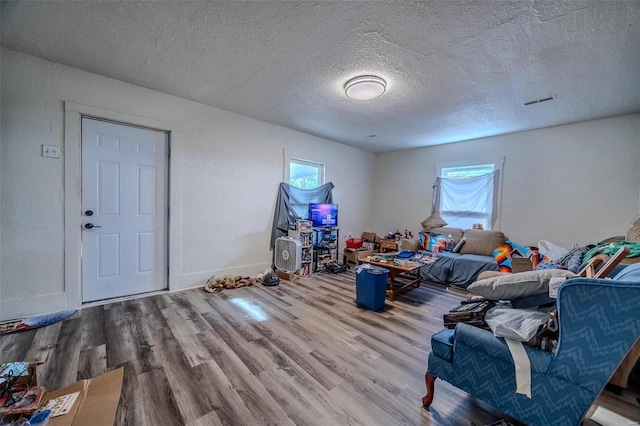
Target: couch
[(475, 256), (456, 269), (599, 321)]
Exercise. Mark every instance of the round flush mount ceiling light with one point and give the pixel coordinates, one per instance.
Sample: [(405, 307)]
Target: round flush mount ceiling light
[(365, 88)]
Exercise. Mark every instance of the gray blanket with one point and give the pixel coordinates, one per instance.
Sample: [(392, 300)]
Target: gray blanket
[(292, 204), (459, 270)]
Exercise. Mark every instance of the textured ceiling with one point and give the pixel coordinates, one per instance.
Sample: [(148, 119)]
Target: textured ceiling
[(456, 70)]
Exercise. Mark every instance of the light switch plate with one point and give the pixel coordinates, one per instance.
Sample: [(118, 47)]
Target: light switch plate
[(51, 151)]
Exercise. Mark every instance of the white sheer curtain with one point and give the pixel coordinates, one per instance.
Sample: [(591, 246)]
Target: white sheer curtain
[(463, 202)]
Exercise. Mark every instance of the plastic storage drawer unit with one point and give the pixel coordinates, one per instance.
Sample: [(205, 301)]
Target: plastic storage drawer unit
[(371, 287)]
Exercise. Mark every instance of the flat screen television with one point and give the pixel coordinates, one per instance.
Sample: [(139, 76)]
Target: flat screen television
[(323, 215)]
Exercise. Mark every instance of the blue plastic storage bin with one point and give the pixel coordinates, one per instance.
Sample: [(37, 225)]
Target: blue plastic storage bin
[(371, 287)]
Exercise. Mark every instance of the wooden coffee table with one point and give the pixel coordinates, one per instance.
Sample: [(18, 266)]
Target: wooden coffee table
[(410, 278)]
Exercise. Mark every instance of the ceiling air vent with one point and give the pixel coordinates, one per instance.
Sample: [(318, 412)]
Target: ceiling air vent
[(537, 101)]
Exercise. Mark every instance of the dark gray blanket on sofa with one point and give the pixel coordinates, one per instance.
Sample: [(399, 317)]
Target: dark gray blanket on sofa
[(459, 270)]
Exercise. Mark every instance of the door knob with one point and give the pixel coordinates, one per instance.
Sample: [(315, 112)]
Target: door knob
[(89, 212), (91, 226)]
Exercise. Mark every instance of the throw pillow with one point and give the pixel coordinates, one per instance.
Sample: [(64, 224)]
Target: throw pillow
[(433, 221), (516, 286), (482, 242)]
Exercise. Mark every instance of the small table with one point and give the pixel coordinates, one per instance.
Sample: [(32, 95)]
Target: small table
[(397, 271)]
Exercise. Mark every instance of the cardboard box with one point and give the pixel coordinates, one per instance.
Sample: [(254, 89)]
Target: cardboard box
[(97, 403), (352, 256), (521, 264), (287, 276)]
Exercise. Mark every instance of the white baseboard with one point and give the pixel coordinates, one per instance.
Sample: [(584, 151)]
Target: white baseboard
[(29, 306)]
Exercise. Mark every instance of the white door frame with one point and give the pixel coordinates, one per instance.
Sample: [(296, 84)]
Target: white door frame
[(73, 202)]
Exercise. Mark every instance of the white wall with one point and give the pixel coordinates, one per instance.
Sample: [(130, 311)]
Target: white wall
[(570, 184), (577, 183), (232, 166)]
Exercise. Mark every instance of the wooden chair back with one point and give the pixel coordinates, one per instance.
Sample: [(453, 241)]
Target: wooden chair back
[(601, 265)]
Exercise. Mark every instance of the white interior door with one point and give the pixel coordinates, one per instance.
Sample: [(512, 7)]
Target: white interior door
[(124, 210)]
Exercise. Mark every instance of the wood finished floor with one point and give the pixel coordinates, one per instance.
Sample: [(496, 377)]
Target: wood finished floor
[(301, 353)]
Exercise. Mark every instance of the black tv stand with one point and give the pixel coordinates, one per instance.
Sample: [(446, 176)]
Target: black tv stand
[(326, 244)]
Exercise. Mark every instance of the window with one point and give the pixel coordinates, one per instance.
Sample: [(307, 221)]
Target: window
[(305, 174), (465, 172), (467, 195)]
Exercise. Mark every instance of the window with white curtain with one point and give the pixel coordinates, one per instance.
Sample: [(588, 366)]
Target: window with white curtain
[(466, 171), (468, 195)]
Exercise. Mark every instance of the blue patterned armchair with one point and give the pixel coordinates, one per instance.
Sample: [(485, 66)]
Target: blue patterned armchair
[(599, 322)]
